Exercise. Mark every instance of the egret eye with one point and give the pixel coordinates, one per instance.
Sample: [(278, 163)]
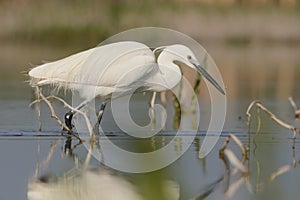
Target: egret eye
[(189, 57)]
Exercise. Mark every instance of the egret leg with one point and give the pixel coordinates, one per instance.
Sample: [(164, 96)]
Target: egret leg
[(69, 115), (68, 146), (101, 111), (153, 100), (152, 110), (99, 118)]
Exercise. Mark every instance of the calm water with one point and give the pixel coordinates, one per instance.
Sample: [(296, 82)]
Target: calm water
[(248, 75)]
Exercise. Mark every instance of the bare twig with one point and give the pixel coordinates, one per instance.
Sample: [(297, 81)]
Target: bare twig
[(234, 186), (50, 154), (293, 104), (89, 155), (227, 156), (280, 171), (237, 141), (53, 114), (277, 120), (88, 123), (249, 108), (272, 116), (296, 109), (37, 166), (284, 169), (235, 161)]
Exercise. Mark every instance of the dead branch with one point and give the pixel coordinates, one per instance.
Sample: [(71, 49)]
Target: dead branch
[(237, 141), (50, 155), (235, 161), (53, 114), (249, 108), (234, 186), (88, 123), (296, 109), (272, 116), (283, 170)]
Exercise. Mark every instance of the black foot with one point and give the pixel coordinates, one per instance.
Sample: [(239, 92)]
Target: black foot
[(68, 119)]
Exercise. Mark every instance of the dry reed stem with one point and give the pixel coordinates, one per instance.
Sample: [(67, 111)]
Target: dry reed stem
[(249, 108), (88, 156), (272, 116), (296, 109), (284, 169), (53, 114), (37, 169), (87, 121), (280, 171), (293, 104), (50, 154), (234, 186), (237, 141), (235, 161)]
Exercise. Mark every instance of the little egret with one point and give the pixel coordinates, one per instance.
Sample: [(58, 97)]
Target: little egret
[(118, 68)]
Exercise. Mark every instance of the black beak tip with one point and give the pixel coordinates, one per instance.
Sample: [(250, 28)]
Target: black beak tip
[(223, 92)]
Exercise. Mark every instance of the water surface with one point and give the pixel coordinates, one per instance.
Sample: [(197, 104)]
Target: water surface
[(248, 75)]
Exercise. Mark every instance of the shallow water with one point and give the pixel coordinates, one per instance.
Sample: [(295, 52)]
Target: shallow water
[(24, 150)]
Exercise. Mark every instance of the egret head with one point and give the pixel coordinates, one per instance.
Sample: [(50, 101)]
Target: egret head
[(181, 54)]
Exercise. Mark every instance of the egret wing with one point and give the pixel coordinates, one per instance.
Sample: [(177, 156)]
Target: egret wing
[(101, 66), (117, 68)]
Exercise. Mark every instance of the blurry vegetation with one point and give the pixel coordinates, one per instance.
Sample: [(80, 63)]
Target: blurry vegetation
[(36, 30), (238, 40), (86, 23)]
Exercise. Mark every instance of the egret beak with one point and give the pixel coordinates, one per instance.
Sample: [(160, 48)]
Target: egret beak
[(206, 75)]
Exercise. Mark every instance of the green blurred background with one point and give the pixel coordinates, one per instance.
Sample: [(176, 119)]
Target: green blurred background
[(250, 41)]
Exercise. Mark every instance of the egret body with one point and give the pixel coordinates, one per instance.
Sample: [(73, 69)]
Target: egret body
[(117, 69)]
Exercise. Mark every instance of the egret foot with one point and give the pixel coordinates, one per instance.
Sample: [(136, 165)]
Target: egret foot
[(68, 119)]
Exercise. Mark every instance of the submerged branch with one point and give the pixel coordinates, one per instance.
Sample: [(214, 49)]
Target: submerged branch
[(235, 161), (283, 170), (237, 141), (234, 186)]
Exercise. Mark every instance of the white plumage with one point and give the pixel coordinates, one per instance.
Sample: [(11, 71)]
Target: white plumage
[(117, 69)]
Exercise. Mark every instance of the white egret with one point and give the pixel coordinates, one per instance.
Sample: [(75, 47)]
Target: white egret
[(118, 68)]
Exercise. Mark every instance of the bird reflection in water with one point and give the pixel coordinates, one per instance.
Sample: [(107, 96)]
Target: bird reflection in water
[(90, 182)]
